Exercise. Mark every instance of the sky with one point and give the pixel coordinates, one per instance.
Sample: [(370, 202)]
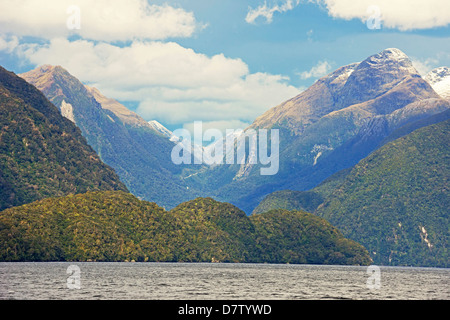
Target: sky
[(221, 62)]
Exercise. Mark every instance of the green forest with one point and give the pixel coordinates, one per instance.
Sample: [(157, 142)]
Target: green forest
[(395, 202), (42, 154), (116, 226)]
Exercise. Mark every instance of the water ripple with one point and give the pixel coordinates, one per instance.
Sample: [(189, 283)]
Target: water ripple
[(123, 281)]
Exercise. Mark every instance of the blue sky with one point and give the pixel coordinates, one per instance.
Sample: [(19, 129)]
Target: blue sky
[(222, 62), (296, 40)]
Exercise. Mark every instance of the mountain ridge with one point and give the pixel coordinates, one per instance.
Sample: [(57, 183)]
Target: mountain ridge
[(388, 198), (140, 155), (42, 154), (330, 126), (116, 226)]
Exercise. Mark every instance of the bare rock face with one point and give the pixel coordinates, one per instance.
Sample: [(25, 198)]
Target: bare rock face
[(61, 87), (339, 120), (127, 116), (310, 105), (138, 152), (380, 84), (375, 76)]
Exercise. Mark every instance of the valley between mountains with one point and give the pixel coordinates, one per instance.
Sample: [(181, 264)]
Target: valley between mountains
[(363, 175)]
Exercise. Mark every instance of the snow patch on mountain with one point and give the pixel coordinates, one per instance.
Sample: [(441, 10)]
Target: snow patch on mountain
[(439, 79), (195, 149), (393, 55), (161, 129)]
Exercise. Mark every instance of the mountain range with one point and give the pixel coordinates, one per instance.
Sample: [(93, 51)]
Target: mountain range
[(393, 201), (42, 154), (331, 126), (365, 147), (139, 154)]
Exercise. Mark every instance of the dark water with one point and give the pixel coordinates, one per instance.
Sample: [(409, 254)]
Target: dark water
[(191, 281)]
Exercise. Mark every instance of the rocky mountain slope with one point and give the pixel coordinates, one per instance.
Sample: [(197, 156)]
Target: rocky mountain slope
[(396, 200), (140, 155), (332, 125), (125, 115), (42, 154)]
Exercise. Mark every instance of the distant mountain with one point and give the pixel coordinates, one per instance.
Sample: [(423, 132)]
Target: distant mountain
[(307, 201), (116, 226), (42, 154), (140, 154), (410, 127), (365, 87), (125, 115), (439, 79), (395, 201), (332, 125), (160, 128), (311, 199)]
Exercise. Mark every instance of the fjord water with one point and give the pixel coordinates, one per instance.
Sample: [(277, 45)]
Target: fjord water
[(164, 281)]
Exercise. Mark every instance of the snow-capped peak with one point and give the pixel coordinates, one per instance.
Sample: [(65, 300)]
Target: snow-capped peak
[(160, 128), (437, 75), (392, 58), (394, 53), (439, 79)]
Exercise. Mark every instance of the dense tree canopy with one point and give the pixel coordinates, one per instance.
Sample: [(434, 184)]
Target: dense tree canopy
[(116, 226), (42, 154)]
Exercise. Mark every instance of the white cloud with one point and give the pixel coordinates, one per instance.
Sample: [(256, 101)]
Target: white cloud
[(268, 12), (139, 65), (171, 83), (244, 98), (321, 69), (398, 14), (103, 20), (119, 51), (423, 66), (9, 45)]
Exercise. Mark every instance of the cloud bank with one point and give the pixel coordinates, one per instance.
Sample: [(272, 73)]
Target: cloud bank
[(126, 50), (171, 83), (399, 14), (103, 20), (403, 15)]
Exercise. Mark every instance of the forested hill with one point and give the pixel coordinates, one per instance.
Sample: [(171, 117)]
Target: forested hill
[(42, 154), (116, 226), (396, 201)]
